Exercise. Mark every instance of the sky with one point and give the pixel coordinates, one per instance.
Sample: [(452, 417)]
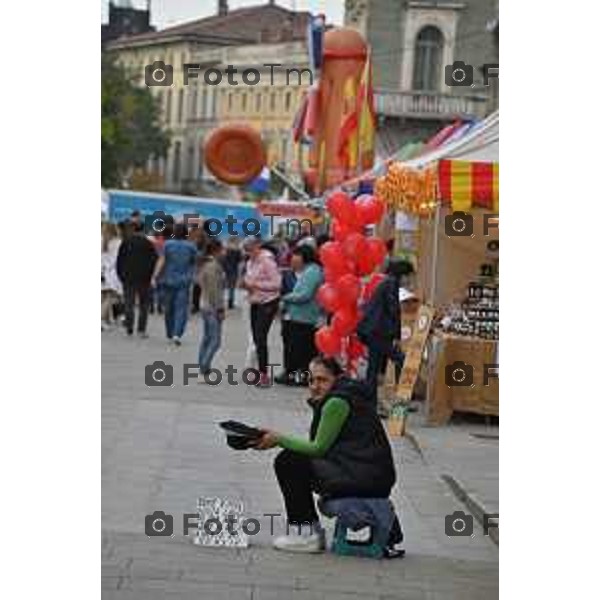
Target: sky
[(171, 12)]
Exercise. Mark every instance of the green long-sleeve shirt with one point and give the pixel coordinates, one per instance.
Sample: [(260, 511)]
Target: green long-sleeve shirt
[(334, 415)]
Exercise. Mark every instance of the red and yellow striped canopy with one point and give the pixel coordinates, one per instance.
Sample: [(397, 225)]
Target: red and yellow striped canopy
[(465, 184)]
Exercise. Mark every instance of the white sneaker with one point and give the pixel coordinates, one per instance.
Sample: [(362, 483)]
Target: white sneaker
[(176, 340), (305, 542)]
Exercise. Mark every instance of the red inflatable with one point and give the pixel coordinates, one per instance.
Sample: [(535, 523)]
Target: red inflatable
[(327, 341)]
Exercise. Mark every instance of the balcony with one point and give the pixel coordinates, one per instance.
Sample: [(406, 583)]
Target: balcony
[(429, 105)]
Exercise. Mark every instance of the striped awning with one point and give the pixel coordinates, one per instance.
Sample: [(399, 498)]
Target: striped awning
[(464, 184)]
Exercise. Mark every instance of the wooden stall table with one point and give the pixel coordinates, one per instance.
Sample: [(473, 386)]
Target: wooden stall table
[(443, 400)]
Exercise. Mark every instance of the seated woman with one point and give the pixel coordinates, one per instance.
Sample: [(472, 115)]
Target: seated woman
[(348, 455)]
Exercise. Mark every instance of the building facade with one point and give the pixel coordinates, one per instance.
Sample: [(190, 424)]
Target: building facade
[(193, 102), (414, 43)]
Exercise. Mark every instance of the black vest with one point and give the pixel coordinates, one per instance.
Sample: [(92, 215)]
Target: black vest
[(360, 462)]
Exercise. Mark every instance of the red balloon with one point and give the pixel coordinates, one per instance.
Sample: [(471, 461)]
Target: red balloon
[(344, 322), (340, 206), (365, 264), (377, 248), (368, 209), (371, 284), (340, 231), (332, 256), (328, 298), (327, 341), (355, 348), (348, 288), (355, 245)]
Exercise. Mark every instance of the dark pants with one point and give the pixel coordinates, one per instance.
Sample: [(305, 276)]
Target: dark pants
[(296, 482), (261, 319), (298, 346), (231, 284), (130, 293), (196, 293), (378, 357)]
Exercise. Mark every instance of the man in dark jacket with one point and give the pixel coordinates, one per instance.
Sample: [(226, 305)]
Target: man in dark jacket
[(135, 265), (380, 327)]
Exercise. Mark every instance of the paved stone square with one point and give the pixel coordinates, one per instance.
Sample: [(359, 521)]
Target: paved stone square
[(162, 449)]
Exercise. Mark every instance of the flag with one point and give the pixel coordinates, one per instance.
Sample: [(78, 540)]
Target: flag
[(260, 184), (465, 184), (366, 117)]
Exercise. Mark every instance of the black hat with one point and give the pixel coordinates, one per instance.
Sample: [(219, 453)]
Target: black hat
[(239, 435)]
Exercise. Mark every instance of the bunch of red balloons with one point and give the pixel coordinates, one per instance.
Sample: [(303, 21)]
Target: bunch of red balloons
[(349, 262)]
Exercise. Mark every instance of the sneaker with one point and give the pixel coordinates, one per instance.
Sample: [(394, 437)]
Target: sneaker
[(177, 340), (306, 542), (142, 335)]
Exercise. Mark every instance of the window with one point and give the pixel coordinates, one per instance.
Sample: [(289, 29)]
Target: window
[(213, 104), (168, 106), (205, 103), (194, 107), (288, 101), (201, 158), (258, 101), (191, 167), (230, 101), (428, 58), (180, 106), (177, 162), (244, 102), (273, 101)]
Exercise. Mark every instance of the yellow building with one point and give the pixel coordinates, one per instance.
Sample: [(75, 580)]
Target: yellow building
[(246, 39)]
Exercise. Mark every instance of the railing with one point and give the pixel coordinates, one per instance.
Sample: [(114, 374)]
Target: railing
[(428, 105)]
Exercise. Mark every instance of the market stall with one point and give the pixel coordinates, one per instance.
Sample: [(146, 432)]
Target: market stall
[(446, 211)]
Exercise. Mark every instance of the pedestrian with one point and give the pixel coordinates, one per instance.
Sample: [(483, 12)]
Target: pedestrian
[(231, 265), (135, 264), (380, 327), (198, 236), (302, 316), (111, 285), (262, 280), (212, 305), (347, 456), (177, 266), (157, 288)]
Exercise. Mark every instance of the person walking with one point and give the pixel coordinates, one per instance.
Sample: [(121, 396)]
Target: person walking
[(380, 326), (302, 316), (262, 280), (111, 285), (135, 264), (231, 265), (177, 266), (212, 305)]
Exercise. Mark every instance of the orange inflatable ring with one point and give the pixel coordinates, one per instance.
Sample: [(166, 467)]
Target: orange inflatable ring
[(235, 154)]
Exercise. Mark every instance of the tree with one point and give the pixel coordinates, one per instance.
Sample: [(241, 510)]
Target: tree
[(131, 131)]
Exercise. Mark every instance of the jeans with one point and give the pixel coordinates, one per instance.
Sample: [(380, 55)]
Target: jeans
[(176, 309), (211, 339), (261, 319), (130, 293), (377, 357)]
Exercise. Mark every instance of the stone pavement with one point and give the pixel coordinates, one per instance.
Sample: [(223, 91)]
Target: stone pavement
[(162, 449)]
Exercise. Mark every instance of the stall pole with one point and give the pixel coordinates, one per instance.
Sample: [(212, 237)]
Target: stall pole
[(434, 254)]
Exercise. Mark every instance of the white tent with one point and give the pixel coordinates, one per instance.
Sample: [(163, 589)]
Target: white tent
[(460, 256)]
